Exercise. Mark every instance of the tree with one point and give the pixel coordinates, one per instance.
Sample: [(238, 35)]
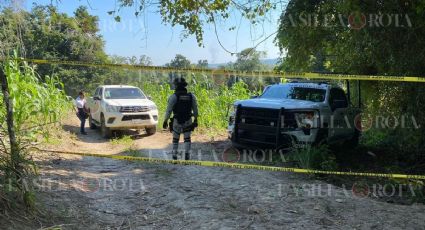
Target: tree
[(44, 33), (116, 59), (202, 64), (145, 60), (249, 60), (377, 38), (193, 15), (180, 62), (87, 22), (341, 46)]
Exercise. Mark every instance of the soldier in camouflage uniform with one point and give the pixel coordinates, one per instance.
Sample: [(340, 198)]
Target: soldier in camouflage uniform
[(183, 106)]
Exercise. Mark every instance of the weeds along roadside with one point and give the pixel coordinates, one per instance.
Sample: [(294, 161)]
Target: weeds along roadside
[(38, 102), (35, 102)]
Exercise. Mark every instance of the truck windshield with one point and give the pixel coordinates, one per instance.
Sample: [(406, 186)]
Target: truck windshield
[(124, 93), (299, 93)]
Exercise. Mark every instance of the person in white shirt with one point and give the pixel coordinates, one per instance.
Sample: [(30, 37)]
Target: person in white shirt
[(80, 104)]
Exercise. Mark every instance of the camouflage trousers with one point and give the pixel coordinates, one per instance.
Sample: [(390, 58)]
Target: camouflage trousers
[(179, 129)]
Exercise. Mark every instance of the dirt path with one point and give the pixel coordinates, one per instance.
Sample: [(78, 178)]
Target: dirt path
[(97, 193)]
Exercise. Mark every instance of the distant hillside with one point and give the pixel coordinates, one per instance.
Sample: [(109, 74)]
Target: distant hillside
[(269, 61)]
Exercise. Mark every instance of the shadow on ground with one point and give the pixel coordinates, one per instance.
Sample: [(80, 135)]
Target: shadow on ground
[(93, 135)]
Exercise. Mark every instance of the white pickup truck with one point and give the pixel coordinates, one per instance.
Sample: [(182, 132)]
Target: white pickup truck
[(121, 107), (299, 114)]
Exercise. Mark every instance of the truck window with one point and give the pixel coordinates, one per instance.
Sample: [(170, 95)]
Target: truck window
[(123, 93), (100, 95), (299, 93), (96, 92)]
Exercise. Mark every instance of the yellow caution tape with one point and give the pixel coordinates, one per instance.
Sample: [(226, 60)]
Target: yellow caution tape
[(291, 75), (239, 165)]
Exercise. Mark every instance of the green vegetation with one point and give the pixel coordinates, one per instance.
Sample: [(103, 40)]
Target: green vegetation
[(317, 157), (374, 49), (44, 33), (193, 15), (131, 151), (123, 141), (215, 103), (180, 62), (39, 92), (216, 94), (35, 103)]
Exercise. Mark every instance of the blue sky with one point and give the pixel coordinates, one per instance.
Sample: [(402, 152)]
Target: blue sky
[(148, 35)]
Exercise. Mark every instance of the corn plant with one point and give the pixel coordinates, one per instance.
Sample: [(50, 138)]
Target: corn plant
[(213, 100), (34, 104)]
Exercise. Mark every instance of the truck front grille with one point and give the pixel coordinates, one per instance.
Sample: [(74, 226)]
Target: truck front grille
[(262, 127), (135, 117), (267, 117), (134, 109), (259, 113)]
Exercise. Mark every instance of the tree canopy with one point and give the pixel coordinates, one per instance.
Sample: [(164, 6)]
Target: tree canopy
[(44, 33), (249, 60), (363, 37), (380, 37), (180, 62), (193, 15)]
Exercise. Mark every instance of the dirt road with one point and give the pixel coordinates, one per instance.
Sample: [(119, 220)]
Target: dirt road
[(97, 193)]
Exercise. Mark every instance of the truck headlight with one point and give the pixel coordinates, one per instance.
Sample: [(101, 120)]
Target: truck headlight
[(153, 107), (307, 119), (112, 108), (232, 114)]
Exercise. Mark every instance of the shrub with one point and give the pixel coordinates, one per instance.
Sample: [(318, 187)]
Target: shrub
[(314, 157)]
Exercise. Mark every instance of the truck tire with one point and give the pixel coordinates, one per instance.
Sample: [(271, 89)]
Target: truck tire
[(91, 123), (105, 131), (151, 130), (354, 141), (322, 137)]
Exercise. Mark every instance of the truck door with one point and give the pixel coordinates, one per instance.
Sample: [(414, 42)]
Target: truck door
[(340, 124), (95, 109)]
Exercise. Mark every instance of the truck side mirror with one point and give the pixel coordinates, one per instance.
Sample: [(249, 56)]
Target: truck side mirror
[(96, 98), (149, 97)]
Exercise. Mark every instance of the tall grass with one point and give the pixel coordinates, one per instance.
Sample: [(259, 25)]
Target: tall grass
[(213, 102), (35, 103), (314, 157), (159, 94)]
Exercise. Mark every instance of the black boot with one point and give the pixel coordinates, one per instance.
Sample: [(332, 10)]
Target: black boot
[(187, 156), (174, 156)]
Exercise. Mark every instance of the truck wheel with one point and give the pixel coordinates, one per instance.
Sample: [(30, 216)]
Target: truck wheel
[(105, 131), (92, 124), (322, 137), (151, 130), (354, 141)]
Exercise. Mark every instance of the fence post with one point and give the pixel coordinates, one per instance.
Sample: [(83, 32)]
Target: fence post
[(14, 148)]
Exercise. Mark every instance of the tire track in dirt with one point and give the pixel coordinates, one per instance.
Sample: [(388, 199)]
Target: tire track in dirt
[(134, 195)]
